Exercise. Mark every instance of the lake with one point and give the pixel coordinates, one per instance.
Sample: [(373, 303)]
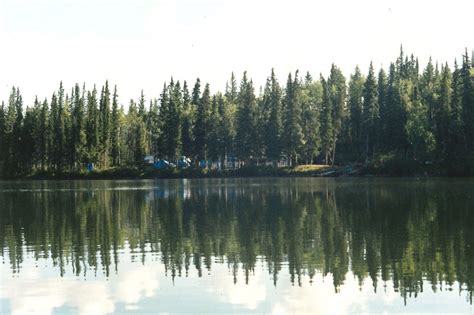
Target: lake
[(266, 245)]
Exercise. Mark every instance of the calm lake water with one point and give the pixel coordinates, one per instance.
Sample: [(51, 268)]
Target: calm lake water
[(280, 246)]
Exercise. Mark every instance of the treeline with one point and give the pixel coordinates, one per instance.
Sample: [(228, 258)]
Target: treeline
[(404, 114)]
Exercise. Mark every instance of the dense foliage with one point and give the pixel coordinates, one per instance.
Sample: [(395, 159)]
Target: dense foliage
[(407, 114)]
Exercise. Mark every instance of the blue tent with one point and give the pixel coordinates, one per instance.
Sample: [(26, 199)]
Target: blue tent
[(162, 164)]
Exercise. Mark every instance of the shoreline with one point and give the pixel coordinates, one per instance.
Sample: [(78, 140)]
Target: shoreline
[(249, 171)]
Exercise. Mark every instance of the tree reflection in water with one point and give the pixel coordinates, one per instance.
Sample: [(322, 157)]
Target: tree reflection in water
[(408, 232)]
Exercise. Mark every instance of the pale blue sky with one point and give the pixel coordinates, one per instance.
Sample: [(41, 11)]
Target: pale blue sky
[(141, 43)]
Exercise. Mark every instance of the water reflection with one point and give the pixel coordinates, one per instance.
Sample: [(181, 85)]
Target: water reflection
[(366, 233)]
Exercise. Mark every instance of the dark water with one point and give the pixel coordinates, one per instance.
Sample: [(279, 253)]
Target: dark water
[(280, 246)]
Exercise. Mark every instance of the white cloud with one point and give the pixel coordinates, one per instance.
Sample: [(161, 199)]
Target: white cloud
[(35, 294), (241, 294)]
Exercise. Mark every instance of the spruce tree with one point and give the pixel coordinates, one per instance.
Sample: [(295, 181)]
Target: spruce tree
[(231, 89), (201, 126), (444, 116), (104, 125), (327, 128), (337, 94), (382, 101), (311, 102), (187, 114), (370, 114), (3, 148), (78, 128), (292, 132), (154, 127), (92, 127), (115, 130), (467, 102), (355, 100), (274, 124), (246, 131)]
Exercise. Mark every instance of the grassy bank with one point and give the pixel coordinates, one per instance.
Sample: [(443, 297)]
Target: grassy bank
[(147, 173), (382, 166)]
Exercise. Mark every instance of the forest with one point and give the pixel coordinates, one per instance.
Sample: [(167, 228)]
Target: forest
[(393, 116)]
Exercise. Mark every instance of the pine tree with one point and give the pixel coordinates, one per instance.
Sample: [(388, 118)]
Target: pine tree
[(370, 114), (201, 129), (104, 125), (92, 127), (8, 138), (135, 136), (246, 132), (274, 124), (3, 148), (337, 94), (187, 114), (311, 102), (19, 150), (231, 89), (78, 128), (355, 104), (162, 118), (382, 101), (115, 130), (444, 115), (327, 128), (44, 135), (292, 131), (395, 114), (467, 102), (154, 127), (214, 142), (421, 139), (28, 144), (172, 122), (226, 128)]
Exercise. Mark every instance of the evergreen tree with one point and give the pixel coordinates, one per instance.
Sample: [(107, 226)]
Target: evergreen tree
[(274, 124), (28, 149), (43, 135), (292, 132), (154, 127), (355, 100), (214, 140), (135, 136), (382, 101), (246, 132), (327, 128), (395, 114), (467, 102), (444, 116), (421, 139), (311, 102), (231, 89), (115, 130), (370, 114), (187, 114), (78, 130), (201, 126), (141, 106), (225, 128), (92, 127), (104, 125), (3, 148), (337, 94), (172, 122)]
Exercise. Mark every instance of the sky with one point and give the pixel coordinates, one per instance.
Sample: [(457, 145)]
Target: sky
[(140, 44)]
